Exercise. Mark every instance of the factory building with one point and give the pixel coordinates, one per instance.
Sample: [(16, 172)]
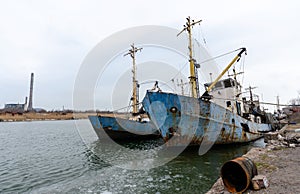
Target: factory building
[(20, 108)]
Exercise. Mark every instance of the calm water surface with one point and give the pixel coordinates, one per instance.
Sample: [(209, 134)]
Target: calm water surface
[(51, 157)]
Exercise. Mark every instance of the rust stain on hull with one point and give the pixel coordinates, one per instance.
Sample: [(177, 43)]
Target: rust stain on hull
[(192, 121)]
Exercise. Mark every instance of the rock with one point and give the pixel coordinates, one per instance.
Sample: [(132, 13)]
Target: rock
[(292, 145), (270, 136), (292, 139), (272, 141), (255, 185), (270, 147), (285, 143), (259, 182), (218, 187), (297, 130), (278, 147), (280, 138)]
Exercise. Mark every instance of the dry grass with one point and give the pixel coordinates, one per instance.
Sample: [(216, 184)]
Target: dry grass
[(42, 116), (51, 116)]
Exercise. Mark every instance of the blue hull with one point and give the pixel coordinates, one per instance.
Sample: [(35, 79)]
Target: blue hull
[(122, 129), (191, 120)]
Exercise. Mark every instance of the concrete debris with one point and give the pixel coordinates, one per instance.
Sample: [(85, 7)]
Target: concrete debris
[(270, 136), (260, 182), (292, 145), (281, 139)]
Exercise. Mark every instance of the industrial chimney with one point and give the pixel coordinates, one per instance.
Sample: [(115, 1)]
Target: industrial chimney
[(26, 104), (30, 93)]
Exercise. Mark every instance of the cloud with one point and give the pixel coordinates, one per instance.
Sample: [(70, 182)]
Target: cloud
[(51, 38)]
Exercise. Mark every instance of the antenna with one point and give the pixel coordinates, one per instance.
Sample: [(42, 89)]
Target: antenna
[(210, 75), (181, 84)]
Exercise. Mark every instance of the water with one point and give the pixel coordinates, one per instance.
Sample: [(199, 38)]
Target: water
[(51, 157)]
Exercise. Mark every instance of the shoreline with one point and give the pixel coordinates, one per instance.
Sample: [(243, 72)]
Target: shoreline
[(9, 117), (49, 116), (278, 161)]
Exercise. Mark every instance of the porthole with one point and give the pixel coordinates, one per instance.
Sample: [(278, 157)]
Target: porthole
[(173, 109)]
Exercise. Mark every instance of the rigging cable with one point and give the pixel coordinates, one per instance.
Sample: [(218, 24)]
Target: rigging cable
[(176, 74), (181, 69), (243, 66), (213, 58), (222, 55), (201, 35)]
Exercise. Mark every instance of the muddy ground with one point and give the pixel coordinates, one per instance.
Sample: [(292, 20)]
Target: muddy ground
[(282, 168)]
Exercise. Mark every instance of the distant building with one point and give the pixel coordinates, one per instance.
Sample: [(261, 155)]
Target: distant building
[(14, 107), (20, 108)]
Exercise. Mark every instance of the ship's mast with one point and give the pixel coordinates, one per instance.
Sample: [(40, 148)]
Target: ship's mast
[(234, 75), (251, 95), (193, 77), (135, 98)]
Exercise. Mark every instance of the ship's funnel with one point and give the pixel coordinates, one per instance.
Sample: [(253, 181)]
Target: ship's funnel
[(30, 93)]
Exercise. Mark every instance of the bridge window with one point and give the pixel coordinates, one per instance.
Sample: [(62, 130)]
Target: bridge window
[(228, 103), (227, 83)]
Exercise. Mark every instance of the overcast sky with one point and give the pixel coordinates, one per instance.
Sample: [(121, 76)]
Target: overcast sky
[(51, 39)]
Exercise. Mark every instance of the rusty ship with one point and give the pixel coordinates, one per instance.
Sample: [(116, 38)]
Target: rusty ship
[(135, 127), (219, 116)]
